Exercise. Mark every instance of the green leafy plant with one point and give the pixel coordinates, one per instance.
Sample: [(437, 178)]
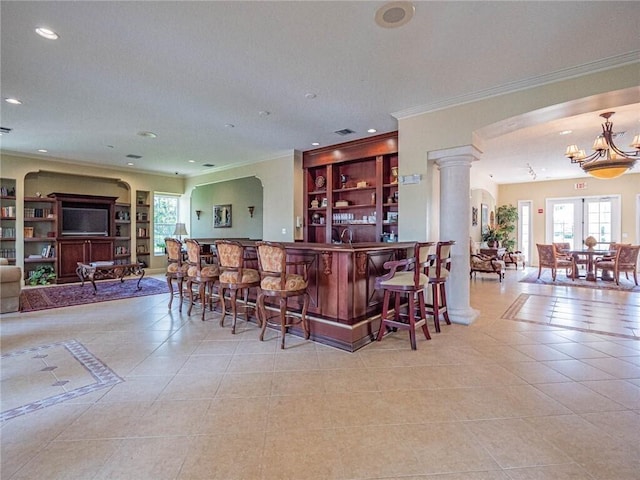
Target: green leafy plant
[(506, 218), (42, 275), (491, 235)]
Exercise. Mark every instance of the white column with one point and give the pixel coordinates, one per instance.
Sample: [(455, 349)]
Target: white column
[(455, 221)]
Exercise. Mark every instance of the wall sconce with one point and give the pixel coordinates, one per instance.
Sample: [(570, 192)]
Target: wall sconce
[(198, 213), (251, 208)]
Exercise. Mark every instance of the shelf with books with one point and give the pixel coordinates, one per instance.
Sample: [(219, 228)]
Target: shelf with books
[(142, 223), (8, 219), (122, 239)]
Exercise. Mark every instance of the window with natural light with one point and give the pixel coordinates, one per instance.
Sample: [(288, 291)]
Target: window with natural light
[(165, 217)]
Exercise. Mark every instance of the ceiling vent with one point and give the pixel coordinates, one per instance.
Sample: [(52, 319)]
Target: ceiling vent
[(344, 132), (131, 155), (5, 130), (208, 165)]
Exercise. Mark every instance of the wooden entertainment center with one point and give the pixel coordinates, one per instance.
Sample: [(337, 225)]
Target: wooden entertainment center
[(72, 246)]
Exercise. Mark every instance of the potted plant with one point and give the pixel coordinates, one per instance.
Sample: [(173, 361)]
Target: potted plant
[(492, 236), (42, 275), (506, 218)]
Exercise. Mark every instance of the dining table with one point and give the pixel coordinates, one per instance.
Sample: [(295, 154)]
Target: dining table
[(590, 255)]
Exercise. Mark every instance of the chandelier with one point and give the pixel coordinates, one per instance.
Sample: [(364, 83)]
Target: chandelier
[(607, 160)]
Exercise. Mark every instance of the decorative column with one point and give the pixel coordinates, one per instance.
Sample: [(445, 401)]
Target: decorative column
[(455, 220)]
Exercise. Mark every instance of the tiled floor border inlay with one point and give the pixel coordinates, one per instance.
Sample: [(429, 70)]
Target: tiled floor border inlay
[(104, 376), (593, 322)]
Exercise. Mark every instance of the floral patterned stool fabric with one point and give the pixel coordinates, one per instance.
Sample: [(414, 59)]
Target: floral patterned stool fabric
[(235, 277), (281, 285)]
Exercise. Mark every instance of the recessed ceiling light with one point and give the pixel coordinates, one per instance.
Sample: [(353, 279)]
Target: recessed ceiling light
[(315, 144), (147, 134), (13, 101), (372, 130), (264, 113), (566, 132), (109, 146), (310, 95), (42, 150), (395, 14), (130, 164), (229, 125), (192, 161), (47, 33)]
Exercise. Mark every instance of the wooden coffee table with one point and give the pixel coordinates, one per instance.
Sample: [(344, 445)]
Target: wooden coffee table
[(97, 271)]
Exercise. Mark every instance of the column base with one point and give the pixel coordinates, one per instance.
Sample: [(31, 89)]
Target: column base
[(463, 316)]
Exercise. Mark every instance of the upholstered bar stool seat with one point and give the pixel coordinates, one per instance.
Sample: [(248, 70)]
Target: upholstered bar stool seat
[(202, 275), (277, 283), (235, 277), (176, 269), (405, 278), (438, 273)]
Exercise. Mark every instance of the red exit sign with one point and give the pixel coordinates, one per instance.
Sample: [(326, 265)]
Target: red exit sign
[(580, 185)]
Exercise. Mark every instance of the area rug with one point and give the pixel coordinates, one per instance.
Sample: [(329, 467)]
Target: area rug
[(563, 281), (67, 295)]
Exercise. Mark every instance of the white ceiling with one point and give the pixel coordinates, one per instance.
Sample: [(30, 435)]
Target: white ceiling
[(184, 70)]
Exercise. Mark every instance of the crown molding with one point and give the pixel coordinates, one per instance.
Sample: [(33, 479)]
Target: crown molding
[(564, 74)]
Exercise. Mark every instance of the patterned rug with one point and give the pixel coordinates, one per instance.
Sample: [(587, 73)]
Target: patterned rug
[(563, 281), (67, 295)]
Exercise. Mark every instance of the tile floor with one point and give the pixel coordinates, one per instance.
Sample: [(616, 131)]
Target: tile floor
[(513, 396)]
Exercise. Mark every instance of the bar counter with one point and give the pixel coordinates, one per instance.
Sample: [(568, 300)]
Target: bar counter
[(344, 309)]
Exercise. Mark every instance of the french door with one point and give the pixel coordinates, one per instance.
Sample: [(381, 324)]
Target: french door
[(571, 220), (525, 228)]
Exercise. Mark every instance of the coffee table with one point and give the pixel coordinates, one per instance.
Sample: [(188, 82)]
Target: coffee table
[(98, 271)]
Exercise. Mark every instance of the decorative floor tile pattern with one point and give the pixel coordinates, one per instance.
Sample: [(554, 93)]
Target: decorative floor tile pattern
[(495, 400), (16, 367), (594, 316)]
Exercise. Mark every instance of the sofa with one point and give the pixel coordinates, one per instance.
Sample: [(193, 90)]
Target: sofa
[(10, 287)]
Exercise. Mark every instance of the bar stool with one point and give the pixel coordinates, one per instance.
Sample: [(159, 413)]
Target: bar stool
[(234, 276), (276, 282), (203, 275), (438, 271), (176, 270), (405, 277)]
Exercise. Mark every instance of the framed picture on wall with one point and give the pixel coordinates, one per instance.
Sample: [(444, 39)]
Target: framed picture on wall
[(474, 216), (484, 217), (221, 216)]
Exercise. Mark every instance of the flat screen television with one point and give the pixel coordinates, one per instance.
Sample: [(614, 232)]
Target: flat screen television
[(85, 221)]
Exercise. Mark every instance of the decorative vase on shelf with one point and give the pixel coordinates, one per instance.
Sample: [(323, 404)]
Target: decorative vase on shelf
[(394, 175), (314, 203), (343, 180)]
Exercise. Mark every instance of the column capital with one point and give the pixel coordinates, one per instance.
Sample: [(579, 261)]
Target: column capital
[(455, 156)]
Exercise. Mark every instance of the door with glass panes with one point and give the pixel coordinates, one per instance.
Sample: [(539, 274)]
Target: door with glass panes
[(571, 220)]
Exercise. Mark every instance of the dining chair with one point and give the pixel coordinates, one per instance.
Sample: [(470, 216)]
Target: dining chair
[(235, 277), (405, 277), (548, 258), (201, 274), (278, 283), (625, 260), (176, 269)]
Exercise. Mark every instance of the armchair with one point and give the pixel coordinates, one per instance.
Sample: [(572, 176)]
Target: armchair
[(548, 258), (480, 262), (625, 260)]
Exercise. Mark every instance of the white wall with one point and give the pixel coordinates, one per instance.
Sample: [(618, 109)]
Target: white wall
[(456, 126)]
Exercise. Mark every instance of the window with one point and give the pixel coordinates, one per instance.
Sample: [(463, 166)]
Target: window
[(165, 217)]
